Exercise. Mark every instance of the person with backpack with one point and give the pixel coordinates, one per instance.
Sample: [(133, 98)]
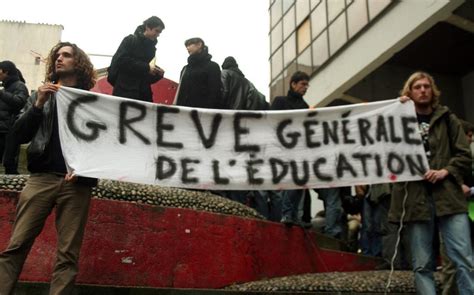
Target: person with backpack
[(437, 202), (130, 71)]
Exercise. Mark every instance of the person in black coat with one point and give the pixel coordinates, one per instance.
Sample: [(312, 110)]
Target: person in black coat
[(291, 199), (235, 85), (130, 71), (200, 83), (12, 99), (294, 100), (238, 92)]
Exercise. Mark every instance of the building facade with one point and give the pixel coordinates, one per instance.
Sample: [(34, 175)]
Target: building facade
[(363, 50), (27, 45)]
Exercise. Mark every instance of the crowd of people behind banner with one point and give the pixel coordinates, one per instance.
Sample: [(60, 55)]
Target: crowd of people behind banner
[(417, 220)]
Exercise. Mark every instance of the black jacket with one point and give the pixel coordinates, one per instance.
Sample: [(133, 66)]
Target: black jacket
[(12, 99), (292, 101), (200, 83), (235, 89), (40, 128), (256, 100), (131, 65), (239, 93)]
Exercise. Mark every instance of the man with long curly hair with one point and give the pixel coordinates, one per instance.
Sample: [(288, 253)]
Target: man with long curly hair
[(50, 185)]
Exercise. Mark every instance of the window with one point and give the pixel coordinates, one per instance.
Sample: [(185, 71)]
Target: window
[(315, 3), (287, 4), (289, 50), (276, 37), (335, 7), (277, 62), (302, 11), (304, 61), (320, 50), (303, 35), (318, 19), (357, 16), (337, 34), (289, 23), (377, 6), (275, 12)]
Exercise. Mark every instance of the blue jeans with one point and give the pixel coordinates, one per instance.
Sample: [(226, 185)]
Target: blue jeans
[(290, 201), (455, 233), (333, 210), (268, 203), (371, 232)]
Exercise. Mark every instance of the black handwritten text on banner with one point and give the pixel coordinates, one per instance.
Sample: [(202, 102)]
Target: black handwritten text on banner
[(114, 138)]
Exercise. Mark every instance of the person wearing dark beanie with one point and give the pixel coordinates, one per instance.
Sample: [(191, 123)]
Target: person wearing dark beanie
[(229, 62), (238, 92)]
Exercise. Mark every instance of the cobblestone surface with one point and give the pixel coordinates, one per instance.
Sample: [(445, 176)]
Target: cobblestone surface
[(353, 282), (152, 195)]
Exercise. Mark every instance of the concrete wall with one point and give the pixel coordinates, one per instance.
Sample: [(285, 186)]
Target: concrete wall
[(376, 45), (22, 42), (468, 93), (451, 93), (383, 83), (129, 244), (386, 82)]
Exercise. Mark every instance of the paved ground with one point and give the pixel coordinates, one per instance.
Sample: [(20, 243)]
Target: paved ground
[(42, 289)]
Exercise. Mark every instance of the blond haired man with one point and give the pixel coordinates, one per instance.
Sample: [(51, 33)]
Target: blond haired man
[(438, 199)]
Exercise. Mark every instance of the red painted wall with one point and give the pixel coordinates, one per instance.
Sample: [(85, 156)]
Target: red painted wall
[(163, 90), (128, 244)]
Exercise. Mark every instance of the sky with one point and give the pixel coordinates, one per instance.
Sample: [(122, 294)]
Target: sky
[(236, 28)]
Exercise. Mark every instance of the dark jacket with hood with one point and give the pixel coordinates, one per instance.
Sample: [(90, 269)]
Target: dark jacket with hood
[(12, 99), (449, 150), (130, 67), (292, 101), (200, 83), (238, 92)]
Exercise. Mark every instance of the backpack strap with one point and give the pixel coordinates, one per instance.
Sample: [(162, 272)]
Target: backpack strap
[(447, 119)]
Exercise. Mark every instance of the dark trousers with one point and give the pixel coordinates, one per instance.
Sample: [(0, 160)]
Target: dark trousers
[(9, 151), (267, 203)]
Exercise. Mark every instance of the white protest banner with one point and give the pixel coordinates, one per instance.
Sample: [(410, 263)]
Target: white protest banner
[(122, 139)]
